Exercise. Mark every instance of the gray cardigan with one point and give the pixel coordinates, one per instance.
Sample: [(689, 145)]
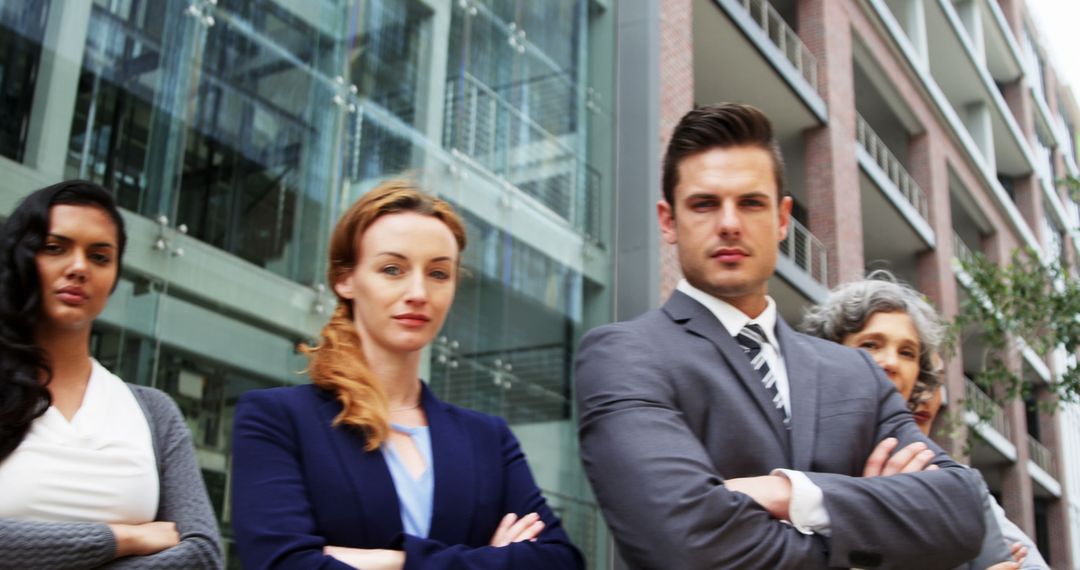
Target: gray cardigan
[(183, 500)]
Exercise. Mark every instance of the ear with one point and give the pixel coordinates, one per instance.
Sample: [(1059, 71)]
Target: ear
[(666, 217), (785, 217), (344, 287)]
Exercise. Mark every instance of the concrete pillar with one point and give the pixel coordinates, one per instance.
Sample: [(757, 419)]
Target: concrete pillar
[(1016, 486), (56, 88), (638, 151), (1057, 516), (915, 26), (676, 99), (832, 171), (977, 120), (936, 278), (970, 15)]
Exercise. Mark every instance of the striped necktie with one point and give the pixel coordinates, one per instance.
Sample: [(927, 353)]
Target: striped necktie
[(750, 338)]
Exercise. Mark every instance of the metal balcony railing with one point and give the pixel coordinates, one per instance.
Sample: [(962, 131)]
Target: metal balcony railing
[(984, 406), (784, 38), (807, 252), (482, 124), (892, 167), (961, 251), (1042, 456)]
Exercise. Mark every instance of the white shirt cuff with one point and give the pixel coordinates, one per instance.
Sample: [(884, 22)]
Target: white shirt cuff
[(807, 506)]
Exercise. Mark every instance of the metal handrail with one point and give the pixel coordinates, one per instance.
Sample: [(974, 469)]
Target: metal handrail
[(784, 38), (807, 252), (483, 125), (892, 167), (1042, 456), (986, 408), (961, 251)]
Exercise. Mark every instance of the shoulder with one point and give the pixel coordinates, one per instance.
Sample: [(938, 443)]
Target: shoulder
[(158, 405), (472, 420), (285, 396), (831, 351), (642, 330)]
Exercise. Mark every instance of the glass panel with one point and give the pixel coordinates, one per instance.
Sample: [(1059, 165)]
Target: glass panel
[(23, 31)]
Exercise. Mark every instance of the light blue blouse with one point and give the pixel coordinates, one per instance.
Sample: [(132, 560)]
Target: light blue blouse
[(414, 495)]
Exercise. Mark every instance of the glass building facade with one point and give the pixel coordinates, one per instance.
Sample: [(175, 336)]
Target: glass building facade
[(235, 132)]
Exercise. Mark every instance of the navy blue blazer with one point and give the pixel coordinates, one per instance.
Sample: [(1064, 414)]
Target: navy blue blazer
[(300, 484)]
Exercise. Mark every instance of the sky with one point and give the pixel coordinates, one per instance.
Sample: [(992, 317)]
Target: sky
[(1059, 20)]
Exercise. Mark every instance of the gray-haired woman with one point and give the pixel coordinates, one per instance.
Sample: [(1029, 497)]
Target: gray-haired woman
[(903, 333)]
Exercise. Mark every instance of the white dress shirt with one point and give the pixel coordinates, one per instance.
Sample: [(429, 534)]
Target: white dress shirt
[(807, 506), (99, 467)]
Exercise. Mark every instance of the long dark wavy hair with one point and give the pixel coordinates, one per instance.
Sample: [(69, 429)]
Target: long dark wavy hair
[(25, 370)]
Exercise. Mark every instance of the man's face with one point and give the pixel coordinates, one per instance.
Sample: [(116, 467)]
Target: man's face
[(727, 223)]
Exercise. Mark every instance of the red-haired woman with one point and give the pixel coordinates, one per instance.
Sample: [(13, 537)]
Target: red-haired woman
[(365, 468)]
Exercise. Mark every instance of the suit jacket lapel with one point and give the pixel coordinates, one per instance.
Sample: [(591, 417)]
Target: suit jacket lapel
[(699, 321), (455, 480), (379, 512), (802, 370)]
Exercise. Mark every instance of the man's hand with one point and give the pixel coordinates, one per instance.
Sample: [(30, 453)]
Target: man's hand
[(144, 539), (512, 529), (772, 492), (912, 459)]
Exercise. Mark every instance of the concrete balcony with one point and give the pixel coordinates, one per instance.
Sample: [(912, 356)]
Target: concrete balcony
[(783, 37), (1042, 466), (989, 420), (751, 41), (906, 197), (802, 271)]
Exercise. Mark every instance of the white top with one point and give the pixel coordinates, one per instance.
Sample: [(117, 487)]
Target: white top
[(807, 505), (100, 467)]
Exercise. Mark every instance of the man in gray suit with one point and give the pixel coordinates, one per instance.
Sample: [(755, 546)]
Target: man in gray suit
[(717, 437)]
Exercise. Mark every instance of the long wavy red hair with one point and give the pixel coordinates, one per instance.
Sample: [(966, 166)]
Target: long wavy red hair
[(337, 362)]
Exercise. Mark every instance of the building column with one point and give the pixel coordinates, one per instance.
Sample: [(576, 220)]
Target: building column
[(56, 88), (1057, 516), (936, 277), (1017, 494), (676, 99), (977, 120), (971, 16), (637, 163), (832, 170)]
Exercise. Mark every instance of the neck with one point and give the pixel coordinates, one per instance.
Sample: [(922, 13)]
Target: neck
[(68, 353), (398, 374)]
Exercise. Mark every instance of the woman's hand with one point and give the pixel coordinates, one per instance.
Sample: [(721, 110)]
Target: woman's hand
[(512, 529), (367, 558), (144, 539)]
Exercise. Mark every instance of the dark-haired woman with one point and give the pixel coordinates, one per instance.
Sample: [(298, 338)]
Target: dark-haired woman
[(94, 472), (365, 468)]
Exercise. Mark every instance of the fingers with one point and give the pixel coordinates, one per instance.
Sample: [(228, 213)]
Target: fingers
[(908, 460), (501, 538), (513, 529), (526, 528), (1019, 552), (878, 457)]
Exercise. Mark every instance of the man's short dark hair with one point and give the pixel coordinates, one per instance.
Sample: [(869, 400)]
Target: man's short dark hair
[(726, 125)]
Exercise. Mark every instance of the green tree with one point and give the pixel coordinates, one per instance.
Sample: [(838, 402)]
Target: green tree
[(1023, 301)]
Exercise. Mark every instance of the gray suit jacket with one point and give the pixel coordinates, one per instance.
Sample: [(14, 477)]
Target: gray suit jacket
[(669, 407)]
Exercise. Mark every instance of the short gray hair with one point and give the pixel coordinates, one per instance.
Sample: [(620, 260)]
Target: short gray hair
[(848, 307)]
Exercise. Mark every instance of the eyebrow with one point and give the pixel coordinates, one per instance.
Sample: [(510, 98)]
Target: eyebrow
[(400, 256), (752, 194), (66, 239)]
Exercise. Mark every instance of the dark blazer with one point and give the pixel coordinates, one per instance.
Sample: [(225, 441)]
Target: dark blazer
[(300, 484), (669, 407)]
